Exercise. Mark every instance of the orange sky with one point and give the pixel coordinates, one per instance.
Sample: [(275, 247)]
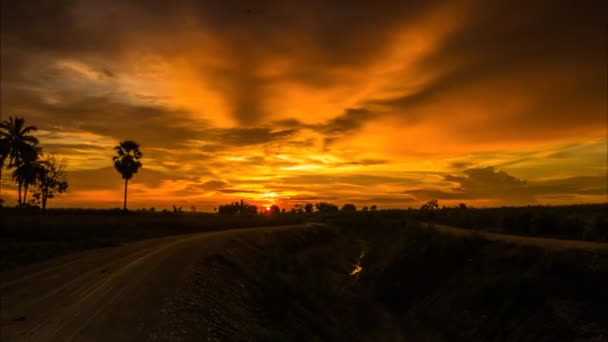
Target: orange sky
[(384, 103)]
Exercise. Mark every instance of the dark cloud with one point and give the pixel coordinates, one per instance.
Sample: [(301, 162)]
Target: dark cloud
[(245, 136), (213, 185), (72, 148), (358, 180), (238, 191), (109, 178), (105, 116), (580, 185), (367, 162), (488, 183), (351, 120), (496, 39), (550, 53), (460, 165), (482, 183), (312, 198), (386, 200), (314, 35)]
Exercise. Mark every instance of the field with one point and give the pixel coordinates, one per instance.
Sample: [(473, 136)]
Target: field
[(378, 275), (414, 283), (28, 236)]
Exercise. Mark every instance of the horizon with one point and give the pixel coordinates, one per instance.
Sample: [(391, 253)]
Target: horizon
[(391, 104)]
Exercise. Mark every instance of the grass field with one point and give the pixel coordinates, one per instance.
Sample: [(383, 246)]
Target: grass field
[(416, 280), (28, 236), (414, 283)]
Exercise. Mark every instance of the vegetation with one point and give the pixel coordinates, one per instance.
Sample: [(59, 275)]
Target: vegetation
[(241, 208), (576, 222), (33, 236), (414, 284), (51, 179), (18, 147), (126, 162), (21, 150)]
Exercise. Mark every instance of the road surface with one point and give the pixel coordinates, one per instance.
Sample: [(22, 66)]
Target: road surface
[(111, 294)]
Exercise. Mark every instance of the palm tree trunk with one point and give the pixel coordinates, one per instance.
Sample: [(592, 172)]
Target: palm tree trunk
[(125, 203), (25, 193), (19, 191)]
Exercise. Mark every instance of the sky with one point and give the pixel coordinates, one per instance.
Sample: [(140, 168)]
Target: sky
[(387, 103)]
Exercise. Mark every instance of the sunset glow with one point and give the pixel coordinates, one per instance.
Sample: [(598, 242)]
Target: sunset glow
[(282, 103)]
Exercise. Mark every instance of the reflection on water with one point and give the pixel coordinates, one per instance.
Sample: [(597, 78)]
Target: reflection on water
[(357, 268)]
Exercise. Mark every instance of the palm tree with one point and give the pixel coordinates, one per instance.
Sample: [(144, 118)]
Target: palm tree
[(126, 161), (26, 175), (17, 146), (3, 155)]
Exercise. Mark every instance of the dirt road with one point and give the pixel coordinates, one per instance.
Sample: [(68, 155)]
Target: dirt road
[(113, 294)]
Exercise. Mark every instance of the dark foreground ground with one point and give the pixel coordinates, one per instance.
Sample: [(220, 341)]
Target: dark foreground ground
[(364, 277)]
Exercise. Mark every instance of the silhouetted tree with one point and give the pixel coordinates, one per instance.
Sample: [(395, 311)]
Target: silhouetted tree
[(326, 208), (18, 147), (274, 210), (349, 208), (308, 208), (237, 208), (126, 162), (365, 209), (462, 206), (430, 205), (373, 208), (297, 209), (26, 175), (4, 150), (51, 179)]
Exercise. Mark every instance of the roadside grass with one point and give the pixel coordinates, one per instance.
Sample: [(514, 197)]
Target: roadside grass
[(29, 236), (420, 284)]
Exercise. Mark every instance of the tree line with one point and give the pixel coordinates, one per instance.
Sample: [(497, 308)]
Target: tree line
[(243, 208)]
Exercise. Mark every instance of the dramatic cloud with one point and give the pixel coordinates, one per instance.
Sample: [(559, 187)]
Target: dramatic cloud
[(279, 102), (502, 188)]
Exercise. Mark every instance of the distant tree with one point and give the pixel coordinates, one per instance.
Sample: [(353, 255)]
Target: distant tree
[(126, 162), (177, 210), (348, 208), (18, 147), (365, 209), (245, 209), (462, 206), (373, 208), (430, 205), (326, 208), (51, 180), (297, 209), (241, 208), (308, 208), (274, 210)]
